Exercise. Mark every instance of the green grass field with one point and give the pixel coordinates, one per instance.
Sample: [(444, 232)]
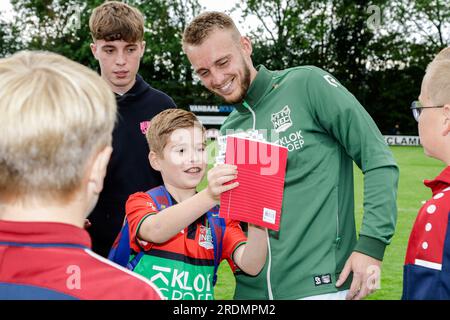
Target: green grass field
[(414, 168)]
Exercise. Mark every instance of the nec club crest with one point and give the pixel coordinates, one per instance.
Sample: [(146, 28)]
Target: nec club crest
[(205, 238), (282, 120)]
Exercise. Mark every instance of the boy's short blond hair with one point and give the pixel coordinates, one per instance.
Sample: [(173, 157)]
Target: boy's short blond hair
[(164, 123), (54, 115), (437, 81), (117, 21), (204, 24)]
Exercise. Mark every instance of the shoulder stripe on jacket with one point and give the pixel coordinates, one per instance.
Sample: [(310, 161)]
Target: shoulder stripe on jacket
[(135, 275)]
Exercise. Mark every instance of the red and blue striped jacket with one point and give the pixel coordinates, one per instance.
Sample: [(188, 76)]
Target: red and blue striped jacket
[(41, 260), (426, 273)]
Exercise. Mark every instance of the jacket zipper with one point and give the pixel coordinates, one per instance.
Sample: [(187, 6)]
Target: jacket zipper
[(338, 238), (269, 263)]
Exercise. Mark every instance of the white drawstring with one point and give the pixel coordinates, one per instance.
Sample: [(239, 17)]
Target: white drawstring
[(253, 114)]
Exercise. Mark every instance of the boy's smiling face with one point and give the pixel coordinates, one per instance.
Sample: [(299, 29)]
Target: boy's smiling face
[(183, 162)]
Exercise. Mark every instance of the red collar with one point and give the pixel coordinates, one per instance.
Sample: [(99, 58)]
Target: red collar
[(441, 182), (43, 233)]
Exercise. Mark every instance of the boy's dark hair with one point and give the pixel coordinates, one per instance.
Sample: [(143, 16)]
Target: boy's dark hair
[(116, 21)]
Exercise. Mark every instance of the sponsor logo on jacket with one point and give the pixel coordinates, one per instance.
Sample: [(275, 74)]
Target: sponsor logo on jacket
[(176, 284), (281, 122)]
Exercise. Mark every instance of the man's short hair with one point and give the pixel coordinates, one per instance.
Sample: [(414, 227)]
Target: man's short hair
[(117, 21), (204, 24), (437, 81), (164, 123), (444, 54), (55, 114)]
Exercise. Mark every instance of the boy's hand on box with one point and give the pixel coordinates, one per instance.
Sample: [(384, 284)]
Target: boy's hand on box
[(218, 176)]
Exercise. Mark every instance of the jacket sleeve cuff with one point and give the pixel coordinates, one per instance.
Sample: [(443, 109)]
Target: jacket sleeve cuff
[(371, 247)]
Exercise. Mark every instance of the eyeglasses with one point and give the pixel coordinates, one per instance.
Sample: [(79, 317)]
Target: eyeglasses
[(417, 107)]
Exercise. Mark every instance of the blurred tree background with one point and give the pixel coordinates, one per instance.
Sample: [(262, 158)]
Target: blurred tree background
[(378, 49)]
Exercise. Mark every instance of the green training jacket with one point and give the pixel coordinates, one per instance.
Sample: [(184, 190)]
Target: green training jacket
[(325, 129)]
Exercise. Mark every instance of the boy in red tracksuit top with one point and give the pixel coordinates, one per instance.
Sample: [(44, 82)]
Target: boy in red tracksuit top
[(175, 241), (427, 263), (57, 118)]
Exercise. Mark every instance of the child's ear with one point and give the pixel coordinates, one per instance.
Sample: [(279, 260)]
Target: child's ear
[(142, 48), (98, 169), (94, 50), (154, 161), (446, 113)]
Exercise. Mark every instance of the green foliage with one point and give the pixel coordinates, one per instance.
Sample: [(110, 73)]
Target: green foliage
[(378, 49), (164, 65), (62, 26), (8, 39), (381, 64)]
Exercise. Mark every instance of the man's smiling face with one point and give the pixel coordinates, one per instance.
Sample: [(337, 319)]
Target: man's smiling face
[(223, 64)]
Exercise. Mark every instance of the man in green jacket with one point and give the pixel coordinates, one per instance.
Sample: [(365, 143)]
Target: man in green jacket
[(316, 254)]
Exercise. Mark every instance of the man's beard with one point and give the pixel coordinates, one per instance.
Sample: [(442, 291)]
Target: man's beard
[(245, 84)]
